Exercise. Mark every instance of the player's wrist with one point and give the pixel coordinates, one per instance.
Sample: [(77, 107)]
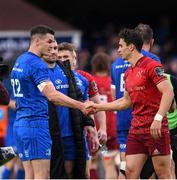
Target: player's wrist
[(158, 117)]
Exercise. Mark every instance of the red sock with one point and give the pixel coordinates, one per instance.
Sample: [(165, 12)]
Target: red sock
[(94, 174)]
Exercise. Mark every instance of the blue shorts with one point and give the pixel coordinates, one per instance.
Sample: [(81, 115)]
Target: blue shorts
[(33, 141), (122, 139), (70, 150)]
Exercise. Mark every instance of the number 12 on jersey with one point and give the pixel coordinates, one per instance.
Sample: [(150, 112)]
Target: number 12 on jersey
[(16, 88)]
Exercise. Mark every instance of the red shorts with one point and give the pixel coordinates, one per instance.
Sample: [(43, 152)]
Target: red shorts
[(146, 144), (112, 144)]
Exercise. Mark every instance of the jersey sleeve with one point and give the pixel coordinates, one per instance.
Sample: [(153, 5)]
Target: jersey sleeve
[(40, 73), (92, 89), (85, 94), (112, 75), (156, 72)]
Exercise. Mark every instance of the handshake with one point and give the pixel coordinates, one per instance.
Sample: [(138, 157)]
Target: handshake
[(90, 107)]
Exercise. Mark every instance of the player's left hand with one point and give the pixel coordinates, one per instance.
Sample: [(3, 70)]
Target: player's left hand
[(155, 129), (93, 137), (102, 136)]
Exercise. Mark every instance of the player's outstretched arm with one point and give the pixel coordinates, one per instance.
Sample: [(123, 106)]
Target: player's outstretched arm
[(117, 105), (48, 89)]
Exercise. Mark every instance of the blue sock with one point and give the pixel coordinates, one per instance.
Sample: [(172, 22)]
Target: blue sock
[(20, 174), (6, 173)]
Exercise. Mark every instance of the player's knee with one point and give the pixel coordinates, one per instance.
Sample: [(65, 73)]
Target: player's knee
[(131, 171), (44, 174), (29, 174), (69, 168), (163, 172)]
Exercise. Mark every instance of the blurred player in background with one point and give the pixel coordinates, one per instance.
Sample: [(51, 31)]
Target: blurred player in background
[(13, 168), (101, 71), (172, 122), (117, 87)]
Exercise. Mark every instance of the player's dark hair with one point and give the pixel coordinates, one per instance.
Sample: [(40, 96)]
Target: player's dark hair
[(131, 36), (41, 30), (100, 63), (145, 31)]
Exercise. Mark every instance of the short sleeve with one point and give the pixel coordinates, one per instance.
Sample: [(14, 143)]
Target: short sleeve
[(86, 92), (155, 71), (93, 89), (40, 73)]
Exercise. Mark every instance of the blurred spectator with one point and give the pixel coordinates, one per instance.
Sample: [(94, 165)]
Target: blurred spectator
[(162, 31), (84, 60), (100, 49), (171, 65)]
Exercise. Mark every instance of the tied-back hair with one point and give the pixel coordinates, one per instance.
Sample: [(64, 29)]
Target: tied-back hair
[(145, 31), (131, 36), (100, 63)]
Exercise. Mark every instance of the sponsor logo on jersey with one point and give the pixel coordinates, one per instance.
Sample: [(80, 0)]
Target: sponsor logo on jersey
[(94, 86), (159, 71)]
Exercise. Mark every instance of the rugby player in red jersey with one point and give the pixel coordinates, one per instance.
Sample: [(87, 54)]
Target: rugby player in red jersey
[(148, 92), (101, 71)]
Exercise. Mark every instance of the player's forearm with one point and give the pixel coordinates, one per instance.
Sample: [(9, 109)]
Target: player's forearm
[(101, 119), (113, 92), (63, 100), (117, 105), (12, 104), (166, 101), (59, 98)]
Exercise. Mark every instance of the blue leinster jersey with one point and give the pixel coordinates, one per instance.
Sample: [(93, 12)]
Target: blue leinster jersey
[(60, 82), (28, 72), (117, 75)]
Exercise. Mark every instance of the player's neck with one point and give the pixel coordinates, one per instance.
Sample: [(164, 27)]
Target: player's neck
[(146, 47), (135, 58), (34, 51), (51, 65)]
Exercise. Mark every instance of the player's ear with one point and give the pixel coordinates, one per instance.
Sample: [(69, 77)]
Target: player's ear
[(131, 47)]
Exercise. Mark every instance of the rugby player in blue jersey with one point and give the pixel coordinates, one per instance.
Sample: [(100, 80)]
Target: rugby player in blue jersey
[(117, 74), (61, 84), (32, 89), (67, 51)]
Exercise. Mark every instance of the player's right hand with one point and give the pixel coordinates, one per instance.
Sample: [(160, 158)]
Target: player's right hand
[(155, 129)]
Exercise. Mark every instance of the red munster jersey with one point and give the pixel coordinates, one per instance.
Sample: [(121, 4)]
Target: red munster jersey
[(93, 90), (141, 84), (104, 84)]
